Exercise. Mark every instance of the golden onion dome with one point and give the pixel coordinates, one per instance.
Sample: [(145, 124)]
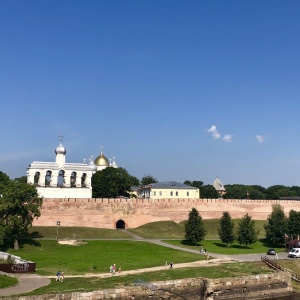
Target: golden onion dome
[(101, 160)]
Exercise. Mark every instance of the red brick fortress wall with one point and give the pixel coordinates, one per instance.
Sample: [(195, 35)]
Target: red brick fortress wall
[(104, 213)]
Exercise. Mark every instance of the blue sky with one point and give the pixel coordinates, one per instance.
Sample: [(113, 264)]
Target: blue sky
[(180, 90)]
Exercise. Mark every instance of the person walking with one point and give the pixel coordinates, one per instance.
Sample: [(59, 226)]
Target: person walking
[(61, 279), (58, 276)]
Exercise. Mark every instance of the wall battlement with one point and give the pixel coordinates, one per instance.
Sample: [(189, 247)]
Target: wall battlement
[(169, 200), (105, 213)]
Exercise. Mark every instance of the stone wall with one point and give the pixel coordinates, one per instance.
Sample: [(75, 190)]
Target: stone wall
[(104, 213), (266, 286)]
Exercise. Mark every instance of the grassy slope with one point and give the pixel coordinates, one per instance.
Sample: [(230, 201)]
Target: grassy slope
[(172, 230), (155, 230)]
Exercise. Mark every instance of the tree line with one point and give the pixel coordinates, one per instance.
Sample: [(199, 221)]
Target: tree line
[(240, 191), (278, 229), (245, 234)]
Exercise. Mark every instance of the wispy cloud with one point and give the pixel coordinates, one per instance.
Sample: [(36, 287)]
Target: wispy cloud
[(213, 131), (227, 138), (260, 138)]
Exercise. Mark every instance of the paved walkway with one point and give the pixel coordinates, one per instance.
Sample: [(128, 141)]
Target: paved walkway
[(27, 283), (30, 282)]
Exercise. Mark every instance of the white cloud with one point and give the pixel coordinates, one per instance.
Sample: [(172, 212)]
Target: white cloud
[(227, 138), (214, 132), (217, 135), (260, 138)]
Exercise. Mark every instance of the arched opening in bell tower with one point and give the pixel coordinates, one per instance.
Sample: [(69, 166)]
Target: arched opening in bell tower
[(120, 224), (61, 178), (48, 178)]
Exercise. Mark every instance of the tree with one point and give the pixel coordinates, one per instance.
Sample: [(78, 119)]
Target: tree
[(22, 179), (19, 205), (148, 179), (276, 191), (276, 226), (293, 223), (194, 227), (225, 230), (208, 191), (246, 234), (112, 182), (4, 179)]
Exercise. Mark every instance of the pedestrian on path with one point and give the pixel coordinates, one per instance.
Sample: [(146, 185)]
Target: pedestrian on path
[(58, 276), (61, 279), (171, 265)]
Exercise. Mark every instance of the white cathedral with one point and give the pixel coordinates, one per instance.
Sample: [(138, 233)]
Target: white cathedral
[(66, 180)]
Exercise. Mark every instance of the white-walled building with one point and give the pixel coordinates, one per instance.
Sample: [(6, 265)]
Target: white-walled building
[(167, 190), (60, 179)]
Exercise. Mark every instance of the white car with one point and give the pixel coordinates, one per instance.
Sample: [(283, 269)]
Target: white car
[(295, 252)]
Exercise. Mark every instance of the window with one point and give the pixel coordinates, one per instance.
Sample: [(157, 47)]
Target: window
[(171, 193), (176, 193), (154, 193), (160, 193), (187, 193)]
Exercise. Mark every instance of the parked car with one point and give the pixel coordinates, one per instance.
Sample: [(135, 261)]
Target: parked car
[(271, 252), (295, 252)]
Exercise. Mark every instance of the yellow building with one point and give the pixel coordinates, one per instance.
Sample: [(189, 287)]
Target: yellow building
[(167, 190)]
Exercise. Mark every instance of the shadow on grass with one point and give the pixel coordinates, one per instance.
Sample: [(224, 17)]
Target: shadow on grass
[(266, 243), (9, 243), (27, 241), (220, 245), (32, 235), (188, 243)]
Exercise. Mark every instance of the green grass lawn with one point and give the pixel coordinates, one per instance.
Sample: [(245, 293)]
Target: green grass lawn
[(97, 256), (215, 246), (89, 284), (6, 281)]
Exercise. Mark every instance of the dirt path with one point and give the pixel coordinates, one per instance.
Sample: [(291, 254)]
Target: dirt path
[(195, 264)]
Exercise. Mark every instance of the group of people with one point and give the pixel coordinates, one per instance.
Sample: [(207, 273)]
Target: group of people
[(112, 269), (60, 276)]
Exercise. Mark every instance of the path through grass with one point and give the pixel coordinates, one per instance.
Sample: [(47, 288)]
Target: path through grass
[(97, 256), (89, 284)]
